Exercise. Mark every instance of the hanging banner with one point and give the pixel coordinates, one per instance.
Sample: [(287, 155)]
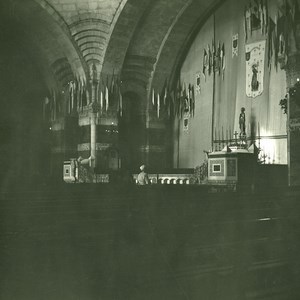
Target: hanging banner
[(256, 18), (158, 105), (222, 61), (235, 45), (198, 83), (255, 62), (153, 98), (186, 117), (106, 99)]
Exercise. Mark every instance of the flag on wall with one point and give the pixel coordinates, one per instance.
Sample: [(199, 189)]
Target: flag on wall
[(158, 105), (222, 61), (101, 101), (198, 83), (216, 58), (153, 98), (256, 18), (106, 99), (210, 59), (121, 103), (191, 100), (205, 63), (255, 62), (235, 45), (165, 95)]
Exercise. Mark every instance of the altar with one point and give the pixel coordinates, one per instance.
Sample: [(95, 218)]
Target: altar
[(232, 167)]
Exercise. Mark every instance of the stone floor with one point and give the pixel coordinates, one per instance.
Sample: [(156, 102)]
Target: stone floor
[(164, 242)]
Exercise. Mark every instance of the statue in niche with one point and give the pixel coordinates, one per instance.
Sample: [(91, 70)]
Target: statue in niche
[(242, 122)]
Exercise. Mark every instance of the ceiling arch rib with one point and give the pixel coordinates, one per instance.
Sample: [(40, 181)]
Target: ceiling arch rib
[(137, 65), (91, 36), (123, 31), (180, 39), (45, 35), (63, 37), (90, 24), (150, 36), (163, 34), (143, 36), (62, 71)]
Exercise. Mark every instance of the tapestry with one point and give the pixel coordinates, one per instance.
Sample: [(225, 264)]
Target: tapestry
[(256, 18), (255, 61)]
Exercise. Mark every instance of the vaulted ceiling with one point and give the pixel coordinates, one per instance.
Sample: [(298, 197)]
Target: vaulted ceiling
[(143, 41)]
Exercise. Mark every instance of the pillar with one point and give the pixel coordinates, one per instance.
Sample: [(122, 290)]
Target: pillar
[(93, 139), (293, 128)]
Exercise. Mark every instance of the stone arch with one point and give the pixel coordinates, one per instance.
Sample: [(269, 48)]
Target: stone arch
[(123, 28), (160, 39), (167, 65), (48, 42)]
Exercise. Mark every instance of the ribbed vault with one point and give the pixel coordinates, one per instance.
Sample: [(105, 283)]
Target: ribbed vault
[(159, 43), (142, 40), (45, 36)]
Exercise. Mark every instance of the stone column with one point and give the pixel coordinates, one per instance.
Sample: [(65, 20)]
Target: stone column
[(156, 151), (93, 138), (293, 83)]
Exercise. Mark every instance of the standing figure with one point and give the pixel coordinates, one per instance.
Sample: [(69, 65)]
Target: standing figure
[(254, 81), (242, 122), (142, 178)]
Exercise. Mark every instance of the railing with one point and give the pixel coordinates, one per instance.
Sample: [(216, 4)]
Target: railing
[(167, 178)]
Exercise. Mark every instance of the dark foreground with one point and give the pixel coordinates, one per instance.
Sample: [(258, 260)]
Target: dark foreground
[(164, 242)]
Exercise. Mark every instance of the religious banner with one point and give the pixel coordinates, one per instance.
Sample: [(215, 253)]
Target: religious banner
[(235, 46), (281, 50), (255, 61), (256, 18)]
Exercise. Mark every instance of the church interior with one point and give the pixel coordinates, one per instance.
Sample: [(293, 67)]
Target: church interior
[(202, 94)]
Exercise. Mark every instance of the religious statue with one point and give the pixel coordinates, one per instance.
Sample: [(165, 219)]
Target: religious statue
[(242, 122), (254, 81)]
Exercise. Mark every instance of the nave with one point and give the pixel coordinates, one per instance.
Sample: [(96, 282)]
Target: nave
[(155, 242)]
